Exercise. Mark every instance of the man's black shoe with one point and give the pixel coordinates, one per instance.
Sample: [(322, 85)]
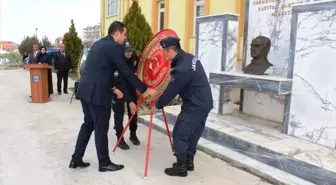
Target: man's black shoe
[(190, 163), (66, 93), (134, 139), (123, 145), (111, 167), (78, 164), (59, 93), (180, 169)]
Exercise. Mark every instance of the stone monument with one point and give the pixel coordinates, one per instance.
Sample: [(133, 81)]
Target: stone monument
[(260, 46)]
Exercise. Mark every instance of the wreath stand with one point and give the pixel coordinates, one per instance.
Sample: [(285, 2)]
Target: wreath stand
[(152, 109)]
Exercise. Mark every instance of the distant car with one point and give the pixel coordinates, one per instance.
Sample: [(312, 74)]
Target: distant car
[(52, 51), (5, 61)]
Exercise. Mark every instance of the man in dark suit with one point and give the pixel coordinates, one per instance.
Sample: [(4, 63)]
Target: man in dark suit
[(62, 66), (95, 92), (33, 56)]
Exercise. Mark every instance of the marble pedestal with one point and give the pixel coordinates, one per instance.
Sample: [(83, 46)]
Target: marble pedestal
[(216, 48), (267, 84)]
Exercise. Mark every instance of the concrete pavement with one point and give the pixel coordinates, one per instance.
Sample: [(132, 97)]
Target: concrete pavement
[(37, 141)]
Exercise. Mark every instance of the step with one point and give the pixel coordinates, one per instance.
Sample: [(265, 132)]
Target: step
[(261, 141)]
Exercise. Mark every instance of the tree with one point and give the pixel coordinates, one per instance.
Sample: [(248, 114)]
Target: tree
[(27, 43), (73, 45), (45, 41), (139, 33)]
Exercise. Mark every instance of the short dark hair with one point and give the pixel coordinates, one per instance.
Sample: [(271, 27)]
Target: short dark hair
[(175, 48), (116, 26)]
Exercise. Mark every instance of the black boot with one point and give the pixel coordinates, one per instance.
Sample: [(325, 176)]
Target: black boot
[(123, 145), (78, 164), (134, 139), (180, 169), (190, 163)]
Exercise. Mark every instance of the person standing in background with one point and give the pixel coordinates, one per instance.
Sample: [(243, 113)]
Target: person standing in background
[(130, 96), (62, 67), (33, 56), (24, 56), (44, 58)]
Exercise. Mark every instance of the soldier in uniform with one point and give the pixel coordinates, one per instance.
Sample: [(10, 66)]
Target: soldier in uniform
[(188, 79), (95, 92), (130, 96)]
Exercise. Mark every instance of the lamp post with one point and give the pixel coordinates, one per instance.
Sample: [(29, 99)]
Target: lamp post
[(0, 19), (0, 24), (36, 32)]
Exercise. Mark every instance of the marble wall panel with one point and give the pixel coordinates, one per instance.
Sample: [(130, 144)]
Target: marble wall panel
[(210, 52), (230, 63), (313, 101), (231, 46), (216, 48), (273, 20)]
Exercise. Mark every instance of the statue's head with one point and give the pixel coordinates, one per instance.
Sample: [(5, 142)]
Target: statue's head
[(260, 47)]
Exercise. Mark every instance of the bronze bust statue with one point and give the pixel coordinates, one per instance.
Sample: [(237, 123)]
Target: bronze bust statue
[(260, 47)]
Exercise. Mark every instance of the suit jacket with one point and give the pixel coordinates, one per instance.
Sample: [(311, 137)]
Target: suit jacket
[(97, 80), (33, 60), (62, 63)]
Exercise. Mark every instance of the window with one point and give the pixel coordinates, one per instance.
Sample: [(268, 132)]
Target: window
[(198, 11), (161, 15), (112, 7)]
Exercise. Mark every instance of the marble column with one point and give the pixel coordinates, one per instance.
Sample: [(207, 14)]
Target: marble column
[(312, 111), (216, 48)]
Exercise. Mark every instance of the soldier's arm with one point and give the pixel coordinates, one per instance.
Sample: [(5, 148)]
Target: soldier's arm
[(179, 79), (117, 58)]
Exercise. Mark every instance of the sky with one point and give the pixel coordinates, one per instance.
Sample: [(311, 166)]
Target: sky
[(19, 18)]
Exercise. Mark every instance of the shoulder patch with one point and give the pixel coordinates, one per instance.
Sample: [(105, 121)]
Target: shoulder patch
[(116, 73), (193, 63)]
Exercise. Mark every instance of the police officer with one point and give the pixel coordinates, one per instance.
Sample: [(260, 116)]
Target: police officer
[(188, 79), (130, 96), (95, 92)]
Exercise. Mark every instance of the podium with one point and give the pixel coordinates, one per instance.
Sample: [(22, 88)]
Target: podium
[(39, 82)]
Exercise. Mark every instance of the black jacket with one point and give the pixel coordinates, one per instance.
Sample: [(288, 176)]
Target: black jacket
[(130, 94), (62, 63), (44, 58), (189, 80), (105, 57)]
